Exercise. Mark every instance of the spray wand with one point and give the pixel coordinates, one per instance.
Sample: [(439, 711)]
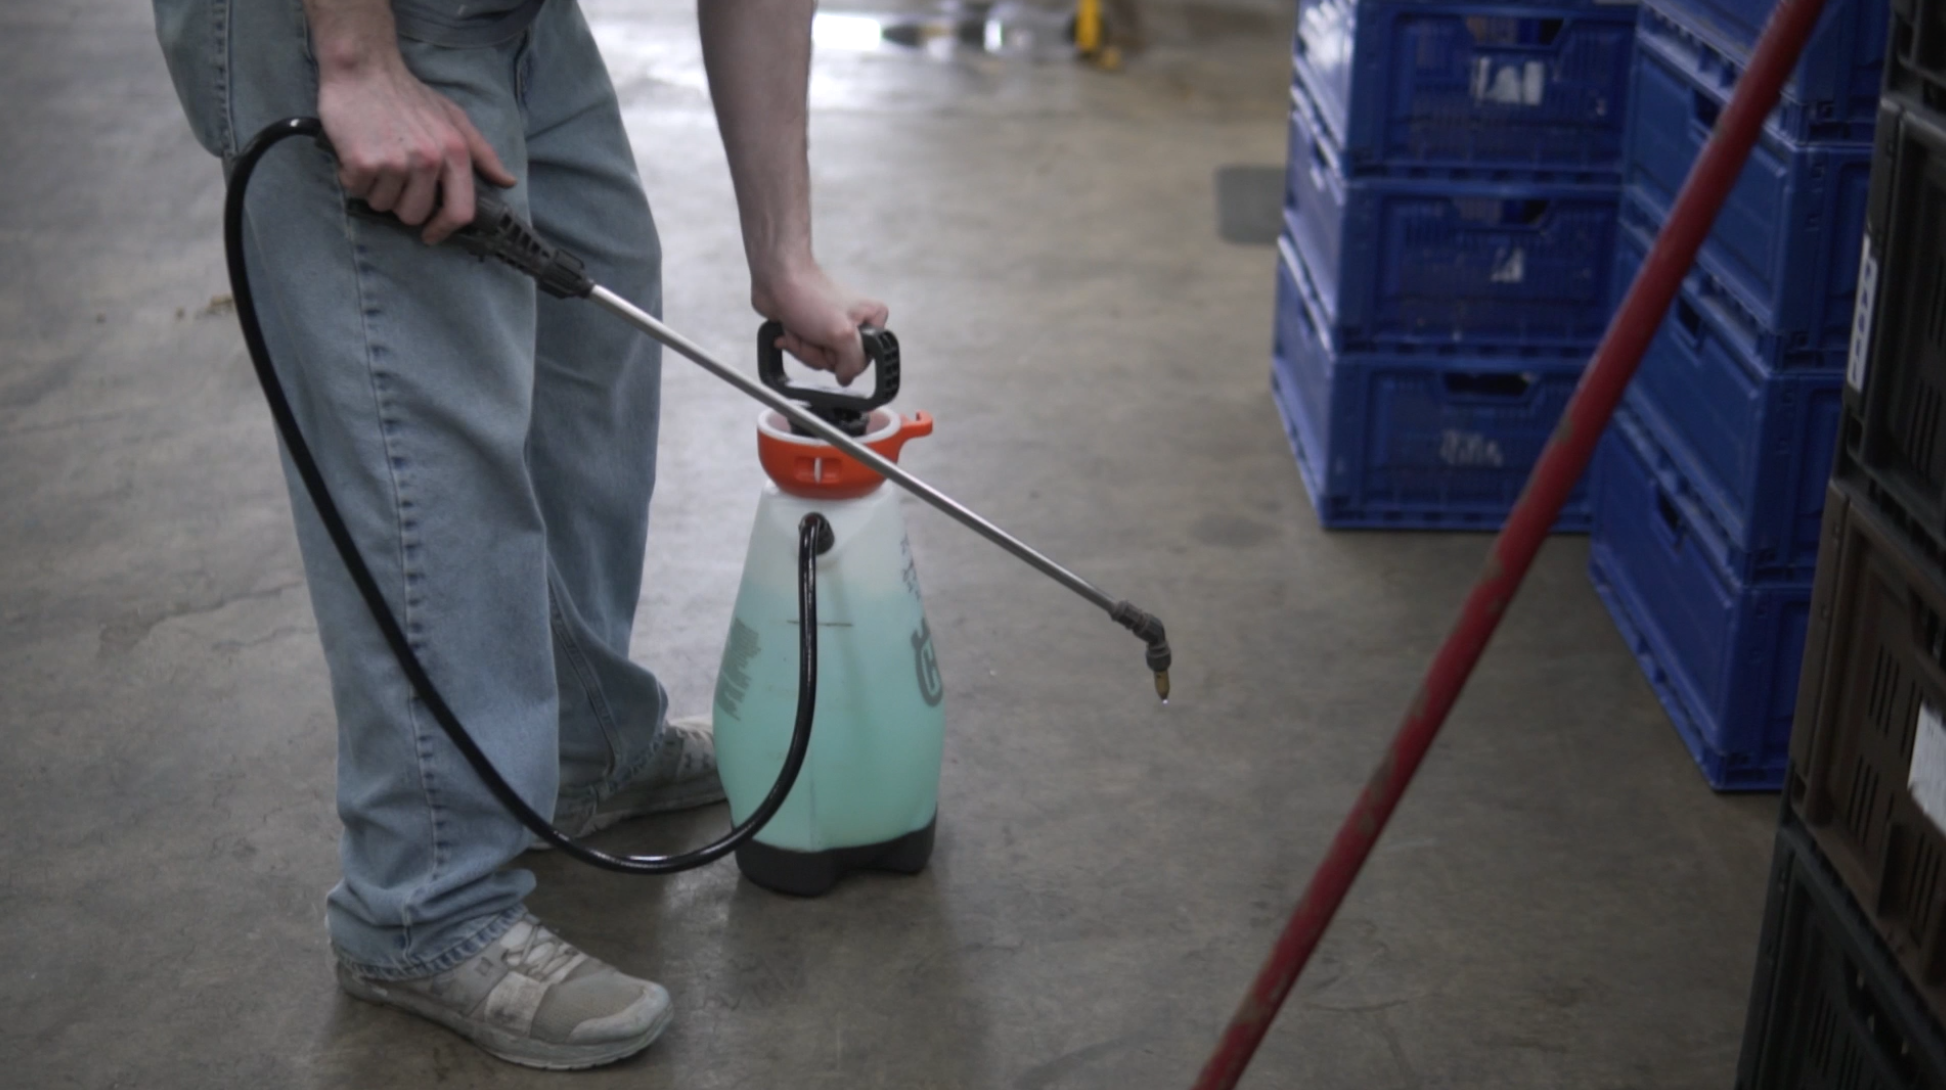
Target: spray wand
[(506, 237), (497, 232)]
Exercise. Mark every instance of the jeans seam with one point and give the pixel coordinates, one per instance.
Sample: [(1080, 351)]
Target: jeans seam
[(304, 33), (523, 69), (590, 688), (405, 524)]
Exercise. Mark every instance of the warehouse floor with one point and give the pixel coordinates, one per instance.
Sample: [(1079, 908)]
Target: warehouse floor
[(1561, 902)]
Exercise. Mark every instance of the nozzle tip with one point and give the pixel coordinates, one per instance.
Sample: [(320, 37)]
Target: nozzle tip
[(1162, 685)]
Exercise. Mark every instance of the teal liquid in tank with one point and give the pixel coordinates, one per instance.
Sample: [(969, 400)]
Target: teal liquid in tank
[(872, 774)]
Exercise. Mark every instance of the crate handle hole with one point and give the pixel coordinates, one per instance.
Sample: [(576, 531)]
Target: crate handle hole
[(1487, 384), (1705, 108), (1927, 632), (1666, 509), (1525, 213), (1489, 30), (1689, 318), (1884, 1028)]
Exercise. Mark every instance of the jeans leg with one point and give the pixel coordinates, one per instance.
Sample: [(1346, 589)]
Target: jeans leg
[(597, 388), (411, 371)]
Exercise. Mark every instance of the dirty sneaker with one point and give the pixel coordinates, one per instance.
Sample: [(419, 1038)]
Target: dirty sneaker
[(531, 999), (681, 776)]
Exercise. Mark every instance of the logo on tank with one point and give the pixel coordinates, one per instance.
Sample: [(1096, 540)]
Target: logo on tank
[(931, 688)]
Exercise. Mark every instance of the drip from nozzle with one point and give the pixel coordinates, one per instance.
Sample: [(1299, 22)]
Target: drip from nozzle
[(1149, 628)]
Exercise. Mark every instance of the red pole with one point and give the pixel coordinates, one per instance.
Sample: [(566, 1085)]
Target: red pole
[(1560, 466)]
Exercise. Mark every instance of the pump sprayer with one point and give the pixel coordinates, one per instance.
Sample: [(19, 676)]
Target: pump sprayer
[(827, 453)]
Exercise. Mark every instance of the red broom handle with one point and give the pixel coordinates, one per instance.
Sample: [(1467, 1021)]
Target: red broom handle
[(1561, 465)]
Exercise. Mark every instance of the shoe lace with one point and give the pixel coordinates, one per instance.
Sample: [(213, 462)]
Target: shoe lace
[(540, 953), (689, 748)]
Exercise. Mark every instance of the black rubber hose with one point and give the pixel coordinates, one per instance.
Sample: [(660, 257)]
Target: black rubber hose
[(813, 537)]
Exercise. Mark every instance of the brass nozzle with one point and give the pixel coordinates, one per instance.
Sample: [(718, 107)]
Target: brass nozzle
[(1148, 627)]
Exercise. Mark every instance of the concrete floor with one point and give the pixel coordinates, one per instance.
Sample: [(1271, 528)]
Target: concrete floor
[(1560, 902)]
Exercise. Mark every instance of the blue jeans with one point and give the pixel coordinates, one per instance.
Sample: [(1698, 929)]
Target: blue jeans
[(492, 450)]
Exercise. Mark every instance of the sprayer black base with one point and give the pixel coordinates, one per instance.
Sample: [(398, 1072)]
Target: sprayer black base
[(812, 874)]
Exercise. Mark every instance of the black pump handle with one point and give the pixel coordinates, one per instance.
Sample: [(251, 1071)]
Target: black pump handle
[(881, 352)]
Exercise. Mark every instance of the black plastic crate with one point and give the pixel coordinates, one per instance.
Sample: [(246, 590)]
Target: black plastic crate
[(1916, 60), (1868, 751), (1864, 310), (1898, 362), (1828, 1009)]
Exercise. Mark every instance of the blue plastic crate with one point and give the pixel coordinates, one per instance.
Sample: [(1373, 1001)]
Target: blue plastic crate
[(1722, 657), (1413, 441), (1785, 247), (1776, 352), (1737, 442), (1763, 507), (1473, 89), (1439, 263), (1832, 94)]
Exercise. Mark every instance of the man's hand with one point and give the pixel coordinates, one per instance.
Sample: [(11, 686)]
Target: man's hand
[(821, 320), (402, 147)]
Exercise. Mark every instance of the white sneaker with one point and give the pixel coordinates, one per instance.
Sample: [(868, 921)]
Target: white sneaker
[(682, 776), (530, 998)]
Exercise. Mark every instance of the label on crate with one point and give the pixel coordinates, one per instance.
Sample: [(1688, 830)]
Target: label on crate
[(1861, 317), (1926, 776), (1509, 83), (1469, 449)]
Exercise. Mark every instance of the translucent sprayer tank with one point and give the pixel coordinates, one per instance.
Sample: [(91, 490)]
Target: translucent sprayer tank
[(868, 795)]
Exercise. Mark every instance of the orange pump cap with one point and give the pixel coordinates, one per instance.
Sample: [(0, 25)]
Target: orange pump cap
[(804, 465)]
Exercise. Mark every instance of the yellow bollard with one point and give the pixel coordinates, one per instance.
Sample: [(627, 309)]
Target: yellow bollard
[(1090, 39)]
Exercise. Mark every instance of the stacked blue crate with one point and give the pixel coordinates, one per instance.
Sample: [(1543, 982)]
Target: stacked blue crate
[(1450, 216), (1403, 440), (1709, 488)]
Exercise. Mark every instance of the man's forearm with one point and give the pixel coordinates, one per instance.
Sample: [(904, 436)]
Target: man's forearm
[(758, 55), (351, 34)]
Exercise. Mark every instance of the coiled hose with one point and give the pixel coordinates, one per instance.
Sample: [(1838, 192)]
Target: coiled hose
[(814, 536)]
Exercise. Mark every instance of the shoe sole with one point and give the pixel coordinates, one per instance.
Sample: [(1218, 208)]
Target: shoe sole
[(512, 1048), (604, 822)]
